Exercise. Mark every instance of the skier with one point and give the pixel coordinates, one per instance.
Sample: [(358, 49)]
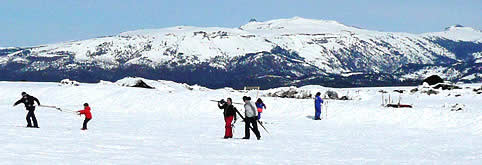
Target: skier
[(318, 102), (28, 101), (229, 114), (250, 116), (260, 105), (87, 114)]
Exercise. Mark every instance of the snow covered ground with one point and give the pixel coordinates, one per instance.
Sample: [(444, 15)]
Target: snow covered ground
[(177, 124)]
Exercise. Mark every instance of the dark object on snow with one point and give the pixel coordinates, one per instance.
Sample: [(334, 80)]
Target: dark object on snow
[(344, 98), (399, 106), (446, 86), (142, 84), (430, 92), (399, 90), (432, 80), (414, 90), (69, 82), (457, 107), (458, 95), (382, 91), (331, 94), (478, 90)]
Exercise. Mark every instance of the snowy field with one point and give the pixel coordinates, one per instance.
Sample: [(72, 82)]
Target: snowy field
[(176, 125)]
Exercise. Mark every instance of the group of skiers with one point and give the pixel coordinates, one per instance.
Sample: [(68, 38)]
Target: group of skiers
[(252, 118), (29, 102), (252, 114)]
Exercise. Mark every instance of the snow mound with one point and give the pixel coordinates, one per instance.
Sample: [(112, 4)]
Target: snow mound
[(458, 33), (290, 92), (134, 82), (161, 85), (296, 25), (68, 82), (309, 91), (102, 82)]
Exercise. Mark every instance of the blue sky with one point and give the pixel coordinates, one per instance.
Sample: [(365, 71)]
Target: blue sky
[(34, 22)]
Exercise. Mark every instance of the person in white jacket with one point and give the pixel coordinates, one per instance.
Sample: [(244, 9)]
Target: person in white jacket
[(250, 118)]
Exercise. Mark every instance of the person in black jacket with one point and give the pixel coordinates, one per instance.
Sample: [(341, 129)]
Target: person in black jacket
[(28, 101), (229, 115)]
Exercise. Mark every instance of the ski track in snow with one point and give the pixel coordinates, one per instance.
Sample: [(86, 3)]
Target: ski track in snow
[(144, 126)]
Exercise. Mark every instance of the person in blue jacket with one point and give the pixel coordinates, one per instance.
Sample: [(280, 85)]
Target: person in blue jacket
[(318, 102), (259, 106)]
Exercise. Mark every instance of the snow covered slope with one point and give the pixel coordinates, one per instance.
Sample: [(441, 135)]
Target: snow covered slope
[(173, 124), (293, 51), (458, 33)]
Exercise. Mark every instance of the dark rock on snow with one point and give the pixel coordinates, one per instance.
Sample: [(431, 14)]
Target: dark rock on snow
[(432, 80)]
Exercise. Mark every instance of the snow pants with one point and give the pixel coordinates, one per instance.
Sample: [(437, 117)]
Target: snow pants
[(229, 128), (84, 126), (247, 123), (317, 113), (31, 115)]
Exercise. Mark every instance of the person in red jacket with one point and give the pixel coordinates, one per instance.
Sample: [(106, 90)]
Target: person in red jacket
[(87, 114)]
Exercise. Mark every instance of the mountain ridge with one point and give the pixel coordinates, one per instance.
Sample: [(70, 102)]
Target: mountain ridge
[(301, 49)]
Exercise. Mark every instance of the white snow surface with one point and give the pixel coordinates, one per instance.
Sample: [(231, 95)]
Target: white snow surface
[(182, 126), (458, 34)]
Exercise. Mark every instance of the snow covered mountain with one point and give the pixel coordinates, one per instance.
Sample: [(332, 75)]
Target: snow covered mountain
[(281, 52)]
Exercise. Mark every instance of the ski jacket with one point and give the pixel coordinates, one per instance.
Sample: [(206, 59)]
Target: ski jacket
[(28, 102), (250, 110), (86, 112), (318, 102), (260, 106), (229, 110)]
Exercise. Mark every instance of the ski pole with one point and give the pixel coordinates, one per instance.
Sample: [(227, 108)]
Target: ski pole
[(326, 110), (66, 110), (263, 127), (47, 106)]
